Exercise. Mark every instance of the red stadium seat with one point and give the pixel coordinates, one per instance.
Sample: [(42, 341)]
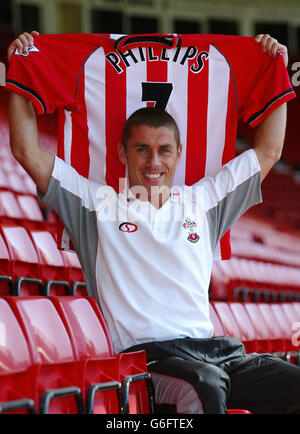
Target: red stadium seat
[(74, 273), (44, 329), (17, 385), (231, 326), (248, 280), (286, 322), (17, 183), (87, 329), (10, 210), (4, 183), (24, 260), (263, 333), (103, 390), (218, 327), (15, 354), (53, 269), (247, 327), (59, 376), (30, 185), (6, 281), (279, 334), (31, 210), (296, 306), (85, 325)]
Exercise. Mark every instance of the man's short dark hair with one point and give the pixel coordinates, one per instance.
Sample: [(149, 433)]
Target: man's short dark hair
[(152, 117)]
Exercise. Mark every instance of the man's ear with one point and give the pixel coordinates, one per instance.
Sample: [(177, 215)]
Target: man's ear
[(122, 153), (179, 152)]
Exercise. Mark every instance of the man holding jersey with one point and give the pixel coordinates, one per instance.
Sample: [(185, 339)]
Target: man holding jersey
[(150, 272)]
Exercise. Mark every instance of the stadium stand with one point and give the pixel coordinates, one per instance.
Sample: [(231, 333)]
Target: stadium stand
[(55, 350)]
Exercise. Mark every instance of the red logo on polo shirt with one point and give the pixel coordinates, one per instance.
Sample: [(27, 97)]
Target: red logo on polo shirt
[(128, 227)]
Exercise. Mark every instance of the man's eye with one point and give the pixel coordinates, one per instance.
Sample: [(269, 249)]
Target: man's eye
[(142, 150)]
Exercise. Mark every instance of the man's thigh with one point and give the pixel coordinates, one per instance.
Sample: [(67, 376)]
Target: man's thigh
[(264, 384)]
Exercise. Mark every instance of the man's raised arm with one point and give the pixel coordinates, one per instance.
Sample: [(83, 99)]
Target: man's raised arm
[(24, 136), (269, 138)]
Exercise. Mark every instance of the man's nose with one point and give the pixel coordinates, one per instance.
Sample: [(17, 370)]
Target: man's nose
[(154, 159)]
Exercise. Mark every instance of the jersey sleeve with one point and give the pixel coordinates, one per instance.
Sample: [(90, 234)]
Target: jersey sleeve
[(231, 193), (48, 75), (262, 82)]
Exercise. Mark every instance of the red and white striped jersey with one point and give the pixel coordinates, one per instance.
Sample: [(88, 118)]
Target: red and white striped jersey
[(206, 82)]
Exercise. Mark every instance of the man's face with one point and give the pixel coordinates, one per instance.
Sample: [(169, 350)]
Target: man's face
[(151, 156)]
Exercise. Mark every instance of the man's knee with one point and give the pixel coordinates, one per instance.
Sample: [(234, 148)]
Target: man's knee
[(210, 380)]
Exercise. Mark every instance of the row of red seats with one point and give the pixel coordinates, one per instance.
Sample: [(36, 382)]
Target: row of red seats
[(25, 210), (243, 248), (262, 327), (56, 357), (264, 232), (16, 182), (31, 264), (250, 280)]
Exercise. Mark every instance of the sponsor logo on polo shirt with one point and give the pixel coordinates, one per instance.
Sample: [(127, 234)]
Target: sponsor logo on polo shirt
[(191, 226), (128, 227)]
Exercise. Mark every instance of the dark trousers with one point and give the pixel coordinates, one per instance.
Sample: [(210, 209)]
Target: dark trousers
[(224, 376)]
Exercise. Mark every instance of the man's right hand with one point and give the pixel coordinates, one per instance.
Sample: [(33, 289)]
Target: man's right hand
[(22, 42)]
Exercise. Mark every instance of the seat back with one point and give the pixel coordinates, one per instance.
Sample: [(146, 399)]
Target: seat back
[(16, 382), (54, 267), (230, 326), (17, 183), (278, 331), (88, 331), (285, 322), (218, 328), (85, 324), (44, 330), (75, 273), (30, 208), (14, 350), (290, 311), (47, 337), (5, 268), (9, 206), (296, 306), (89, 334), (22, 251), (259, 323), (243, 320)]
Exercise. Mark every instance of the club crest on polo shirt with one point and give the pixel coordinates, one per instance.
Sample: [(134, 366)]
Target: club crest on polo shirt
[(191, 227)]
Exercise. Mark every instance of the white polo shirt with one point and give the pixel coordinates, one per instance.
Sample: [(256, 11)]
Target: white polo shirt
[(150, 268)]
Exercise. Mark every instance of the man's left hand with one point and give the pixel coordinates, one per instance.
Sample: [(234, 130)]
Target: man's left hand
[(272, 47)]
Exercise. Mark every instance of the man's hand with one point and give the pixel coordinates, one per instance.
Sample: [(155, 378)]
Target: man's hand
[(269, 137), (272, 47), (22, 43)]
